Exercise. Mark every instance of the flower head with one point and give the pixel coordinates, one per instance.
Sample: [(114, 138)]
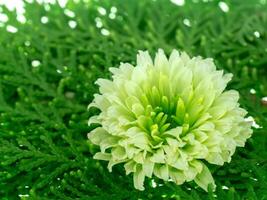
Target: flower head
[(166, 117)]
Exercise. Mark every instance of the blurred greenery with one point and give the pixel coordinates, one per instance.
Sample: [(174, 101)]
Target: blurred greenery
[(48, 66)]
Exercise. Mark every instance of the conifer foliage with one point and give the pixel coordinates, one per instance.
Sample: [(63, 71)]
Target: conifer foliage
[(48, 66)]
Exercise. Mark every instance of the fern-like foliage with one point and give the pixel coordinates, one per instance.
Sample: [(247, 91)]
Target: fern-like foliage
[(47, 74)]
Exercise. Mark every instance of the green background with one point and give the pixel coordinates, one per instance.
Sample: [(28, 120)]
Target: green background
[(44, 151)]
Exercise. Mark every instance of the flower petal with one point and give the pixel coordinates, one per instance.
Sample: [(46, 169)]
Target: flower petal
[(139, 177), (204, 178)]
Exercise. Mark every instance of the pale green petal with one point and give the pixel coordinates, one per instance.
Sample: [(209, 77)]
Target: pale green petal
[(205, 89), (132, 89), (118, 153), (185, 57), (175, 143), (131, 150), (207, 126), (183, 80), (180, 108), (94, 120), (139, 74), (99, 102), (98, 135), (224, 124), (197, 165), (124, 71), (148, 167), (108, 142), (139, 177), (177, 176), (204, 178), (175, 132), (228, 99), (158, 156), (138, 109), (132, 100), (140, 140), (217, 112), (144, 59), (114, 70), (106, 86), (220, 81), (174, 57), (161, 171), (161, 62), (180, 163), (202, 69), (102, 156), (139, 157), (215, 158), (190, 173), (130, 167), (200, 135), (113, 162)]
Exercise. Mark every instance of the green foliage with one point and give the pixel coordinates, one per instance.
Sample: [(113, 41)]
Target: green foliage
[(44, 151)]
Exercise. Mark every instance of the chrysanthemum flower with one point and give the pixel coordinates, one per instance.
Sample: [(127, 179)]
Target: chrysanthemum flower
[(166, 117)]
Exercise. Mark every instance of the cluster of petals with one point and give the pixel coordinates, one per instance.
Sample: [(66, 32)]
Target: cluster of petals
[(167, 118)]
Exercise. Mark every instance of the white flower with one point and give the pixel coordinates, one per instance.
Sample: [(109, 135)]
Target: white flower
[(166, 117)]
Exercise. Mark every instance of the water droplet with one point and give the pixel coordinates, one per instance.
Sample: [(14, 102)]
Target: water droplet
[(112, 15), (113, 9), (224, 187), (59, 71), (223, 6), (252, 91), (62, 3), (44, 19), (105, 32), (47, 7), (187, 22), (254, 179), (36, 63), (98, 22), (153, 183), (72, 24), (178, 2), (264, 101), (23, 195), (27, 43), (21, 18), (102, 11), (69, 95), (11, 29), (3, 17), (18, 6), (257, 34), (69, 13)]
